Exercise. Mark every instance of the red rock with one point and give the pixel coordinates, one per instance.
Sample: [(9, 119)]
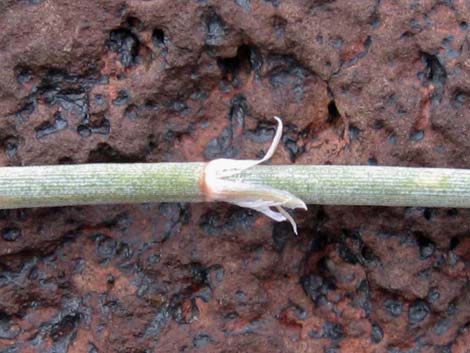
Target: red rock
[(356, 82)]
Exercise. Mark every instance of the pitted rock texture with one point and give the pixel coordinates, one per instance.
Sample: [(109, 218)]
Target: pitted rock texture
[(356, 82)]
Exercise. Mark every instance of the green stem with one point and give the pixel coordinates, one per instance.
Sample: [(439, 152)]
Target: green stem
[(87, 184), (365, 185), (181, 182)]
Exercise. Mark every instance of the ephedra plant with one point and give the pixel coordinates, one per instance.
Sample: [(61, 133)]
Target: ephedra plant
[(269, 189)]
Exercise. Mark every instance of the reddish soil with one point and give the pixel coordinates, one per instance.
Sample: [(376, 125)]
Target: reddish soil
[(356, 82)]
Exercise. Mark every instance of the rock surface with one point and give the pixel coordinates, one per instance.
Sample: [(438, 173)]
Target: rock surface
[(356, 82)]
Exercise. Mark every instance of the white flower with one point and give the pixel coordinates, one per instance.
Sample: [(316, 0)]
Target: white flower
[(218, 186)]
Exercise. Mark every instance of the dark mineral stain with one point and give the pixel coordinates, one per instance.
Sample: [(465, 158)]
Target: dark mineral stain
[(202, 340), (354, 133), (11, 234), (378, 124), (332, 330), (92, 348), (433, 295), (372, 161), (106, 247), (442, 326), (64, 326), (337, 43), (132, 112), (199, 273), (220, 146), (368, 255), (406, 35), (417, 135), (331, 350), (21, 215), (363, 296), (346, 254), (10, 145), (134, 23), (46, 129), (122, 98), (376, 333), (23, 75), (429, 213), (215, 28), (160, 320), (454, 243), (279, 25), (459, 98), (211, 222), (300, 313), (280, 235), (261, 134), (223, 145), (426, 246), (175, 215), (245, 4), (367, 43), (287, 75), (102, 127), (110, 279), (394, 307), (74, 102), (291, 146), (453, 212), (84, 131), (120, 223), (256, 59), (26, 110), (215, 275), (319, 243), (8, 331), (419, 310), (374, 20), (290, 140), (199, 96), (238, 111), (452, 308), (183, 311), (392, 139), (32, 2), (274, 3), (126, 44), (158, 37), (434, 73), (56, 81), (314, 286), (100, 99)]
